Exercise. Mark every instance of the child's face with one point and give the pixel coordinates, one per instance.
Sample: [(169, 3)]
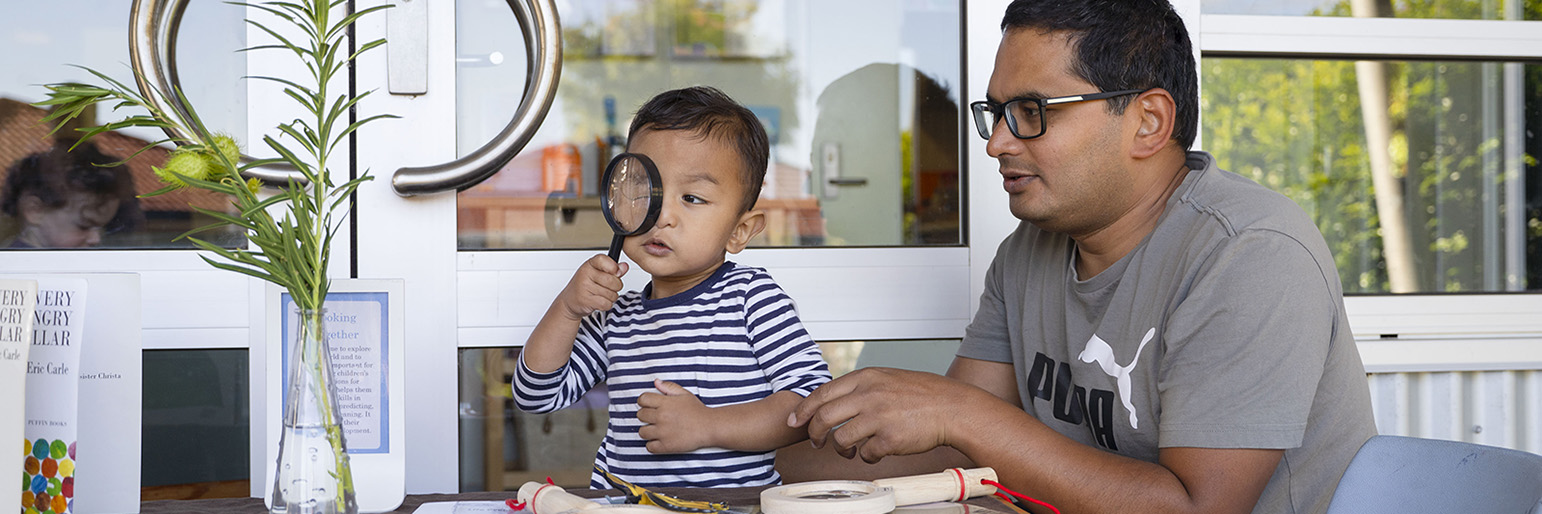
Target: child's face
[(701, 218), (77, 224)]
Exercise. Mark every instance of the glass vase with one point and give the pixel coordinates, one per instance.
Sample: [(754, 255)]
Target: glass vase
[(312, 476)]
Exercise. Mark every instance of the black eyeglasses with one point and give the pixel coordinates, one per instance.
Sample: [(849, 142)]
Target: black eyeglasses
[(1025, 116)]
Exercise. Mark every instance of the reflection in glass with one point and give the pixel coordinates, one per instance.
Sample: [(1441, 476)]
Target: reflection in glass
[(53, 189), (864, 138), (1421, 9), (197, 424), (1423, 176), (503, 447)]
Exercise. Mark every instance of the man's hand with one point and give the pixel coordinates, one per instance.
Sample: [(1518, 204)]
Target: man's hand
[(594, 287), (876, 412), (677, 421)]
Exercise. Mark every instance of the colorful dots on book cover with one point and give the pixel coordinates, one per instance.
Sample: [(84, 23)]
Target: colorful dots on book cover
[(48, 477)]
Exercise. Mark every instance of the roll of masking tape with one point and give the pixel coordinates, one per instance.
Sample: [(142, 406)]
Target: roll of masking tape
[(828, 497)]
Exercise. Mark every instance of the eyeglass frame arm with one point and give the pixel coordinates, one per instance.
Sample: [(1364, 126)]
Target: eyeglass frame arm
[(995, 108)]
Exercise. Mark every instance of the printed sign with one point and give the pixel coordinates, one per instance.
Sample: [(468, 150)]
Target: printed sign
[(357, 342)]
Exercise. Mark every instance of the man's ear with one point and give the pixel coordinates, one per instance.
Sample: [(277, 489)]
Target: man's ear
[(1156, 112), (750, 225)]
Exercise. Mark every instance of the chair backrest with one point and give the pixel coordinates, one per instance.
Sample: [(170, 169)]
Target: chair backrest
[(1411, 475)]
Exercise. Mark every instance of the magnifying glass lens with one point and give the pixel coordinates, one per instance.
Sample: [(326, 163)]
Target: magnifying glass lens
[(628, 197)]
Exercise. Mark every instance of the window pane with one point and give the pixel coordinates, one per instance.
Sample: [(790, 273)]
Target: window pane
[(503, 447), (1455, 205), (872, 105), (197, 419), (67, 203), (1423, 9)]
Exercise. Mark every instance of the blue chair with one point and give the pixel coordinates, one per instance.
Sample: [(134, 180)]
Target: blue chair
[(1410, 475)]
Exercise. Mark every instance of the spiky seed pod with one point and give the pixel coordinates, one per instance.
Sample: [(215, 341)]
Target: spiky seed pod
[(191, 163), (167, 178), (227, 147)]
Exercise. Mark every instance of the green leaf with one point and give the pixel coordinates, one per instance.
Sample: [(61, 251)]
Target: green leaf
[(158, 192), (229, 219), (356, 125), (350, 19), (281, 39), (288, 155)]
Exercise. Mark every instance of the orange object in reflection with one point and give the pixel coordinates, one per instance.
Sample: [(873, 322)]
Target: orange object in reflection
[(561, 169)]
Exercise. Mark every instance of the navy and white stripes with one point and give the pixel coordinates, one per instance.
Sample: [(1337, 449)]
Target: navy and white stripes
[(732, 339)]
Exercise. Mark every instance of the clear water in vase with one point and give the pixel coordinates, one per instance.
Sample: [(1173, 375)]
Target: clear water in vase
[(312, 474)]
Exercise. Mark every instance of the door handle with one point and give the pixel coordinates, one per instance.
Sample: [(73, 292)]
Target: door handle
[(153, 26), (543, 49)]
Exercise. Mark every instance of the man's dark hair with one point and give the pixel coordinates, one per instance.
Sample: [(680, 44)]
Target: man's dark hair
[(1122, 44), (707, 112)]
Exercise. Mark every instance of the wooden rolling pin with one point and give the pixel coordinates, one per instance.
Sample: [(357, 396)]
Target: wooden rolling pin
[(879, 496), (952, 485), (549, 499)]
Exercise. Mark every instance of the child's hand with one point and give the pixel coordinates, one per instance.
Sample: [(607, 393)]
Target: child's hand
[(594, 287), (677, 421)]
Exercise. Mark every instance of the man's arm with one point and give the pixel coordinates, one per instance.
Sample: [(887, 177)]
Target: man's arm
[(805, 462), (874, 413)]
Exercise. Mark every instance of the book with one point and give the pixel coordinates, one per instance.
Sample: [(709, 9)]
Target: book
[(17, 300), (52, 395)]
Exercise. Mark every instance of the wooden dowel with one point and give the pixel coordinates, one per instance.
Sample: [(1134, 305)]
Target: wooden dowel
[(950, 485), (549, 499)]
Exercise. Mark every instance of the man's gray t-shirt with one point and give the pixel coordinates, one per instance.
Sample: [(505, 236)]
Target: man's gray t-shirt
[(1225, 328)]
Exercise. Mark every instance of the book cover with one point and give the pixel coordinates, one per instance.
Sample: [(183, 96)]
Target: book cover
[(17, 299), (52, 392)]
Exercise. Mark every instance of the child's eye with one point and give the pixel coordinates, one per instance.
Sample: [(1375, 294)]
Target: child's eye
[(693, 199)]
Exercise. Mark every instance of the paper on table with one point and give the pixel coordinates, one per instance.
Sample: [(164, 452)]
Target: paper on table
[(467, 507)]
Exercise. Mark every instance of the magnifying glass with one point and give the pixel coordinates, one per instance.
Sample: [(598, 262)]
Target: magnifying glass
[(631, 195)]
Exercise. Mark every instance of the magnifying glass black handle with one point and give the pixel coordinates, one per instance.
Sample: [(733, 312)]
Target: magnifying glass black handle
[(615, 247)]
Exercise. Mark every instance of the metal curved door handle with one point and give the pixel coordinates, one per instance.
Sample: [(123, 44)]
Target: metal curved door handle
[(153, 26), (543, 50), (153, 29)]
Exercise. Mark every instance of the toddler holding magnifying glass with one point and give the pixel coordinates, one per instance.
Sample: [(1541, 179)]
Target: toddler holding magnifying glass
[(704, 364)]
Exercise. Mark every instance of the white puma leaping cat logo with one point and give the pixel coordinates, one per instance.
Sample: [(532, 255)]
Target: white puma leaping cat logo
[(1099, 351)]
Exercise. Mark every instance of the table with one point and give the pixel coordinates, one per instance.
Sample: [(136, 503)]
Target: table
[(734, 496)]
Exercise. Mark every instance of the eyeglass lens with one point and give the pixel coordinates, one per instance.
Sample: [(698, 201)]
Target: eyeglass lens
[(1022, 117)]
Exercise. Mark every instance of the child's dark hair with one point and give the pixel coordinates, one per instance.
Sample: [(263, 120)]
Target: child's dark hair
[(51, 175), (708, 112)]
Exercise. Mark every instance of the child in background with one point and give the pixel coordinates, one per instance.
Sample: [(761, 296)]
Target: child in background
[(705, 363), (59, 198)]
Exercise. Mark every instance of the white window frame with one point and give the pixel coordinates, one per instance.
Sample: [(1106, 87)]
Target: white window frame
[(1407, 333)]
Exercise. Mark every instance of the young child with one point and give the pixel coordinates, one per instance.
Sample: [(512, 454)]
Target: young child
[(705, 364), (59, 198)]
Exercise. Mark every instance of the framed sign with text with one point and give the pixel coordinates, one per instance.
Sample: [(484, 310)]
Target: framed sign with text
[(363, 323)]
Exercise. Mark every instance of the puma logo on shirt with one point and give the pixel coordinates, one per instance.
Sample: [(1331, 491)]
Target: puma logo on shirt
[(1100, 352)]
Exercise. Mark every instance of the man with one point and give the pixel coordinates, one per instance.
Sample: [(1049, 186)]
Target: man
[(1159, 335)]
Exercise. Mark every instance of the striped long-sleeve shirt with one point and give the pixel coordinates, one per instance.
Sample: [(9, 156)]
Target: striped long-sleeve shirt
[(734, 338)]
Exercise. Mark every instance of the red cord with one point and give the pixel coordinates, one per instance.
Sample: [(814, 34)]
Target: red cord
[(519, 505), (1001, 488)]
